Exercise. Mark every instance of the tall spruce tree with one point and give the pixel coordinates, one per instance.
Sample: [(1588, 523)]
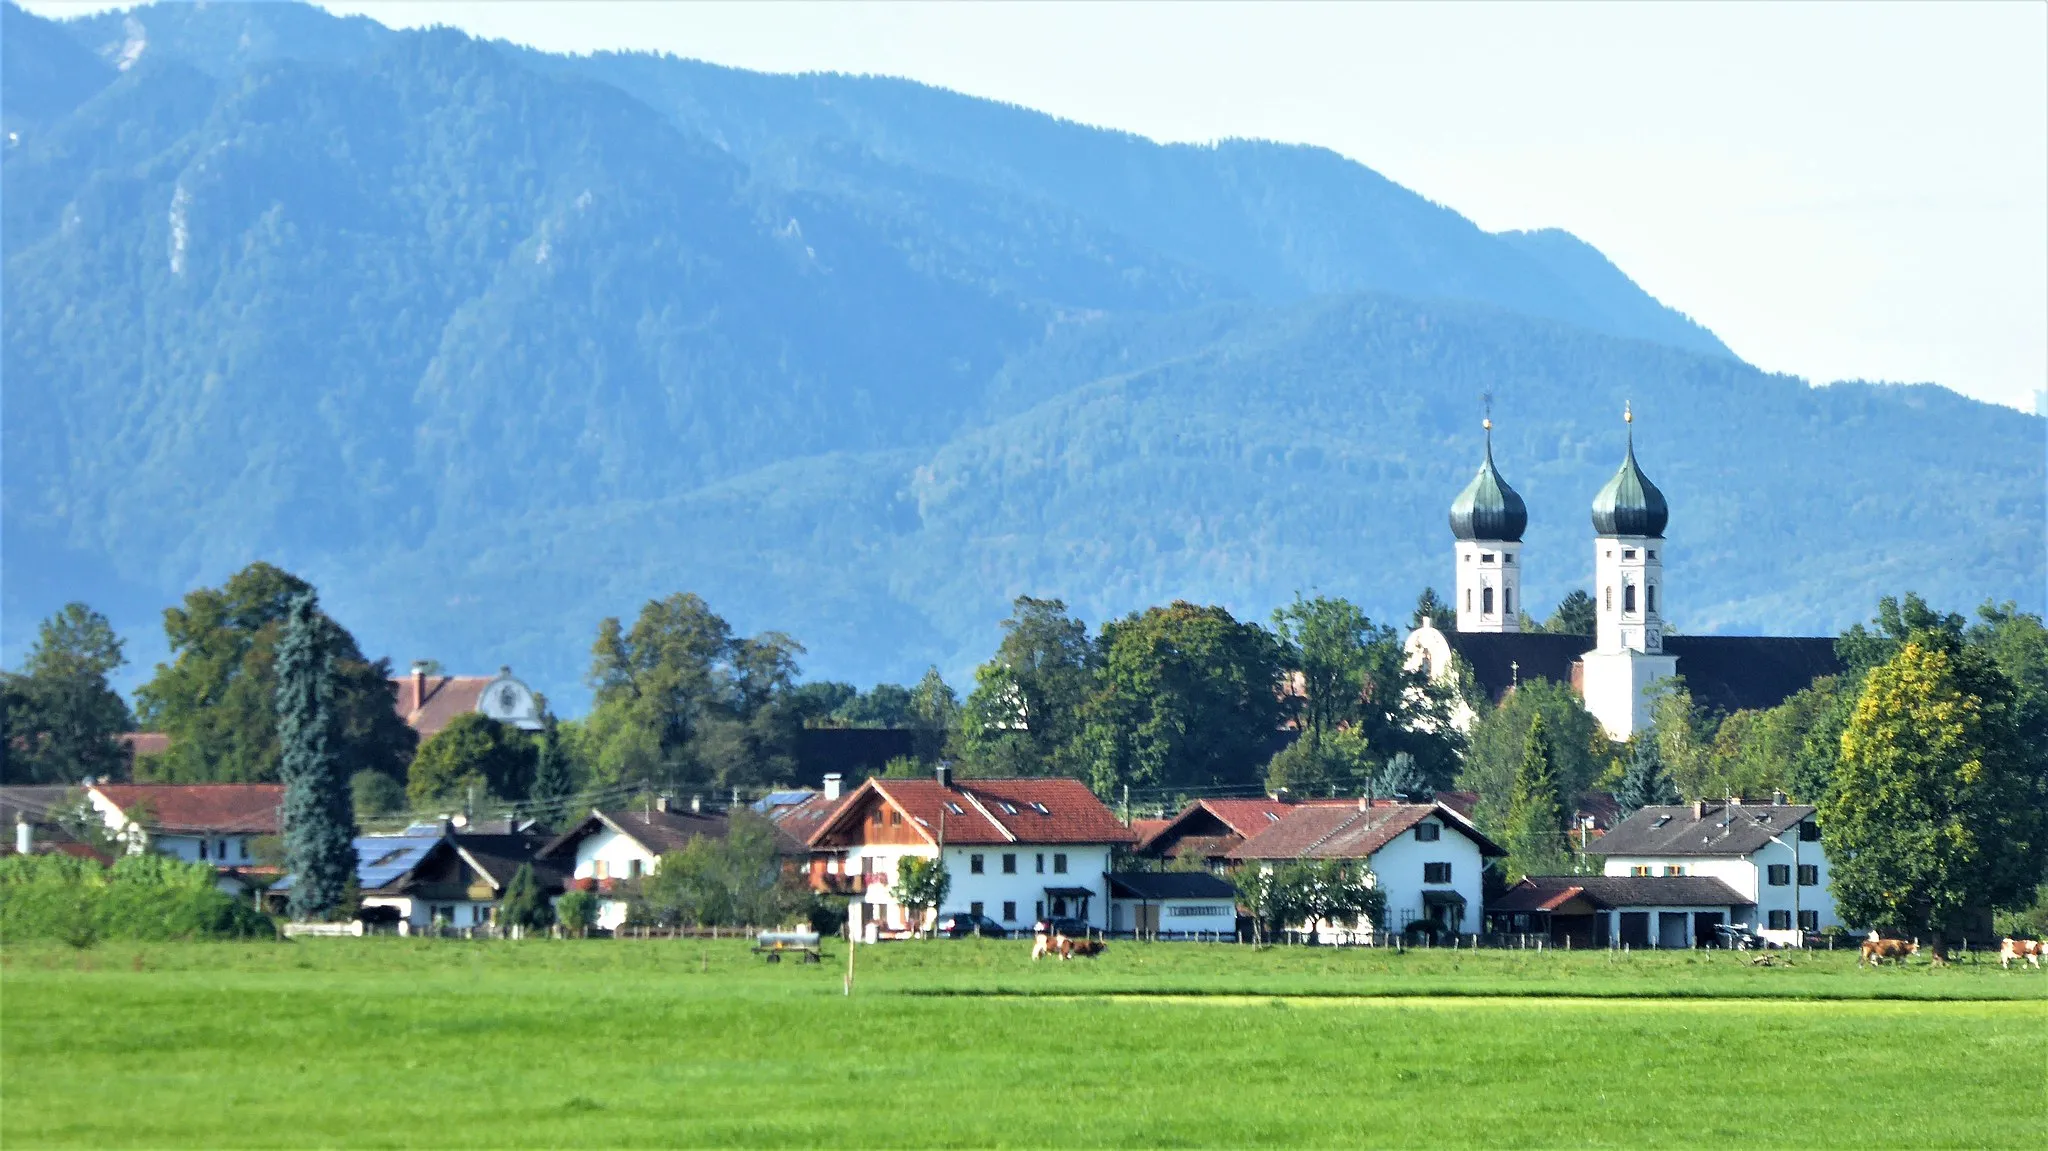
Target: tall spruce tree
[(552, 783), (1535, 828), (1643, 782), (319, 816)]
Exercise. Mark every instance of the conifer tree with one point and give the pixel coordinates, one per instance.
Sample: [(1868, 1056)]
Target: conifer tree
[(319, 816), (1643, 783), (524, 907), (1535, 828), (552, 786)]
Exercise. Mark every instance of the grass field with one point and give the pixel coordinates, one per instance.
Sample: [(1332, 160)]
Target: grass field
[(388, 1042)]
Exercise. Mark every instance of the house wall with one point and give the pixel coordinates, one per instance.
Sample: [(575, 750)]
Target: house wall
[(1748, 875), (1087, 866), (1177, 916), (221, 850), (1398, 867), (422, 912), (617, 853)]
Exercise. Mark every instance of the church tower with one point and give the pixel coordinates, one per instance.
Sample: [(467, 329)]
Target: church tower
[(1487, 520), (1629, 516)]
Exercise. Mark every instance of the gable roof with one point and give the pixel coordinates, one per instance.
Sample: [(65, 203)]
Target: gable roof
[(1351, 831), (498, 857), (987, 811), (657, 832), (209, 808), (1611, 892), (1703, 829), (1195, 827), (386, 864), (1170, 885), (429, 703), (797, 822)]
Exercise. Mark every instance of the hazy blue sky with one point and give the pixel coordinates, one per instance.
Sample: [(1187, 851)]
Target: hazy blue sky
[(1837, 190)]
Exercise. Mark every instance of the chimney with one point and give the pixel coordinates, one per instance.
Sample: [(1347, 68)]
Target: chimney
[(833, 782), (661, 804), (1364, 802), (945, 773), (1778, 798), (24, 836), (1699, 809), (696, 805), (419, 684)]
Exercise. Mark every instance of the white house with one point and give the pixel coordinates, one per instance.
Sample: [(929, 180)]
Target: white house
[(1427, 859), (1017, 850), (437, 876), (616, 844), (212, 823), (1769, 854), (1172, 903)]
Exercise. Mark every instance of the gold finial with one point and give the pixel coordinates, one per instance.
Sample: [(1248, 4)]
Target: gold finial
[(1487, 424), (1628, 415)]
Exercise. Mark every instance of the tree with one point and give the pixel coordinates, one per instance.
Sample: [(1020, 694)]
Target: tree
[(731, 881), (1685, 739), (1024, 716), (921, 886), (1321, 765), (1642, 781), (1188, 698), (1441, 615), (554, 782), (1500, 733), (1575, 615), (474, 758), (319, 824), (1328, 890), (884, 705), (373, 794), (1400, 777), (1935, 817), (577, 911), (1862, 648), (1264, 897), (1535, 836), (1326, 644), (216, 699), (683, 702), (62, 719), (524, 908), (933, 705)]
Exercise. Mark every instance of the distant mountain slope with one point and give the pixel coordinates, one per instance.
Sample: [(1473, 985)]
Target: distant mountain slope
[(490, 345)]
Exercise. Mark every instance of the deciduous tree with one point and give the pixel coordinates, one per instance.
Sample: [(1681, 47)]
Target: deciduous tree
[(1024, 716), (62, 719), (1535, 834), (921, 887)]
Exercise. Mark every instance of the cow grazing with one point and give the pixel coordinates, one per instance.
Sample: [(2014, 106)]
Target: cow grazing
[(2030, 950), (1877, 950), (1085, 948), (1043, 945)]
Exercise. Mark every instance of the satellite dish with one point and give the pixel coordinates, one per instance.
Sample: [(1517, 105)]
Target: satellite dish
[(507, 700)]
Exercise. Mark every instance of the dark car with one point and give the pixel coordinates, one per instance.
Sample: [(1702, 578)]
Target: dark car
[(1067, 926), (1736, 937), (960, 924)]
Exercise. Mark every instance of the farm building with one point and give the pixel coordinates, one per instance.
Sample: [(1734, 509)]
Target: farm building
[(1640, 911)]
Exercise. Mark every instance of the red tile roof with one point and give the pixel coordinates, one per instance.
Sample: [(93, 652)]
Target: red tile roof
[(444, 697), (992, 811), (1326, 831), (799, 821), (1244, 817), (1145, 829), (138, 743), (244, 808)]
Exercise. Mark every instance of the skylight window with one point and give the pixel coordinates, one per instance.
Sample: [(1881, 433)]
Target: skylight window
[(1040, 809), (1272, 818), (389, 857), (956, 809), (1661, 821), (1008, 808)]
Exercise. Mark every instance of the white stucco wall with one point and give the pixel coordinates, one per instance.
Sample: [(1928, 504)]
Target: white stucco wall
[(1398, 867), (1087, 866), (1179, 916), (1749, 876), (1483, 565), (617, 853), (420, 912)]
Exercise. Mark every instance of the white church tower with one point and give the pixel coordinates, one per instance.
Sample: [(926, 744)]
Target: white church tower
[(1488, 519), (1629, 516)]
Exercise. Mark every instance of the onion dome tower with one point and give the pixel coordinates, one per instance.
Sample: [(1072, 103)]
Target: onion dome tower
[(1629, 516), (1487, 520)]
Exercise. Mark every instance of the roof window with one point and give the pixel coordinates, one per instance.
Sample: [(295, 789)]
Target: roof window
[(1661, 821), (955, 808), (1272, 817), (1008, 807), (389, 857), (1040, 809)]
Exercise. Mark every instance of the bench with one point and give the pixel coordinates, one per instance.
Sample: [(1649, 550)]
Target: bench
[(773, 945)]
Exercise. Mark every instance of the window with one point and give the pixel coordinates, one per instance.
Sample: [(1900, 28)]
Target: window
[(1009, 910), (601, 868), (1196, 910), (1468, 599), (1628, 553), (243, 844), (974, 909), (202, 849), (1038, 909), (1628, 598), (1507, 601), (974, 865), (1653, 553), (1608, 596), (1780, 875), (1809, 875), (955, 808), (1781, 920), (1009, 863), (1508, 558), (1809, 921), (876, 818), (1059, 905), (1661, 821), (1639, 869), (1809, 832), (1486, 557), (1059, 863), (1486, 601), (1674, 869), (633, 869), (895, 818), (1436, 873), (1008, 808), (1650, 596), (1040, 809), (1041, 863), (1428, 832)]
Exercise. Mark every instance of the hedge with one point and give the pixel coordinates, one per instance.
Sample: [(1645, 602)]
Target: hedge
[(141, 898)]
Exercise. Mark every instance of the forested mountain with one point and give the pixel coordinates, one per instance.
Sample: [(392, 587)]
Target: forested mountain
[(490, 344)]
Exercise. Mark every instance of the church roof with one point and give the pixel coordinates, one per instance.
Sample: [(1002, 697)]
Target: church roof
[(1630, 505), (1725, 673), (1488, 509)]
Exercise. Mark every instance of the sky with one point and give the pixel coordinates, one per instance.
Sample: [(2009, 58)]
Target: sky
[(1838, 191)]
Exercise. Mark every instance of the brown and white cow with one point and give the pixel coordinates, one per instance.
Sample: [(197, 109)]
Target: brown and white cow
[(1876, 950), (2030, 950)]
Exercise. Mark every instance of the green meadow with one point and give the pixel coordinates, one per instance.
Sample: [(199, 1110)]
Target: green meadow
[(390, 1042)]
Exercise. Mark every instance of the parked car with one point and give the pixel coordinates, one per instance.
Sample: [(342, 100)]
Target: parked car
[(1736, 937), (959, 924), (1066, 925)]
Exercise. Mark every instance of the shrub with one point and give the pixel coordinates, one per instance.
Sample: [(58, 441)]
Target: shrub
[(141, 898), (577, 911)]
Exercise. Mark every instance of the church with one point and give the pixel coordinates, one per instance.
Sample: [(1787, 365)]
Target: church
[(1618, 669)]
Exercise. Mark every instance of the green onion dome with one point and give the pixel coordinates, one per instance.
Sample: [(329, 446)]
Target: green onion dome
[(1488, 509), (1630, 505)]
